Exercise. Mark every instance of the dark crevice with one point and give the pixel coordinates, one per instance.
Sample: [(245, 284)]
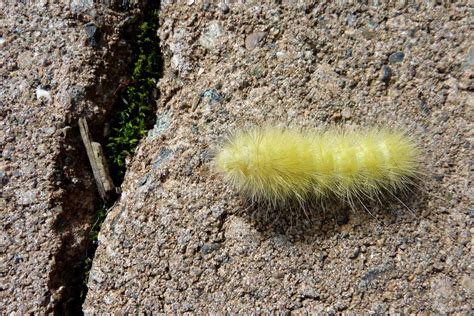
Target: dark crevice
[(80, 209), (75, 211), (131, 118)]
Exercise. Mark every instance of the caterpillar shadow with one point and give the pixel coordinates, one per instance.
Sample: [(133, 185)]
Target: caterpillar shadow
[(325, 219)]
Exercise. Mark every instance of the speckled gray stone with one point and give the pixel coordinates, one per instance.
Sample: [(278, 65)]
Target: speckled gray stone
[(199, 247), (48, 195)]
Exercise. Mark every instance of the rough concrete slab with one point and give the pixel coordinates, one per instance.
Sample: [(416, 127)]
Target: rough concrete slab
[(52, 61), (179, 240)]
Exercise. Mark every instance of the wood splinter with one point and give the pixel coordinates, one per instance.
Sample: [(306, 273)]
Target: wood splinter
[(97, 160)]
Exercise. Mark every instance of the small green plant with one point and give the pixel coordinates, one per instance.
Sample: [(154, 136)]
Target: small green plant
[(135, 113)]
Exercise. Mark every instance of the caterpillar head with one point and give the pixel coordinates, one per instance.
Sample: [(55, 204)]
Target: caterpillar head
[(265, 164)]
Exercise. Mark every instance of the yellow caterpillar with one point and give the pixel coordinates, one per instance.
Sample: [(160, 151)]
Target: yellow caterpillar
[(279, 165)]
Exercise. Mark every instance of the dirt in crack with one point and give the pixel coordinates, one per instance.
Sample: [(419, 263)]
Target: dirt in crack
[(133, 117)]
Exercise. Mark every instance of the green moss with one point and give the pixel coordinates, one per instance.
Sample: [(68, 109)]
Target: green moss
[(135, 112)]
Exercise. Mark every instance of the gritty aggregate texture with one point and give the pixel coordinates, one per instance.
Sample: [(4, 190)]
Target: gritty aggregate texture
[(51, 56), (179, 240)]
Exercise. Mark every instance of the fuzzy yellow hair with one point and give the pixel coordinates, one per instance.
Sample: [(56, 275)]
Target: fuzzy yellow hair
[(278, 165)]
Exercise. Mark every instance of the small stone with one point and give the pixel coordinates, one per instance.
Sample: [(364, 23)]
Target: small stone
[(280, 54), (372, 24), (351, 19), (468, 283), (49, 131), (81, 5), (340, 306), (76, 95), (208, 248), (188, 171), (468, 63), (3, 179), (42, 150), (336, 116), (386, 74), (42, 94), (224, 7), (424, 107), (355, 253), (97, 276), (26, 198), (348, 53), (206, 5), (218, 212), (308, 291), (18, 259), (2, 40), (442, 67), (254, 39), (443, 117), (371, 275), (163, 122), (93, 34), (346, 113), (442, 289), (396, 57), (210, 35), (212, 95)]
